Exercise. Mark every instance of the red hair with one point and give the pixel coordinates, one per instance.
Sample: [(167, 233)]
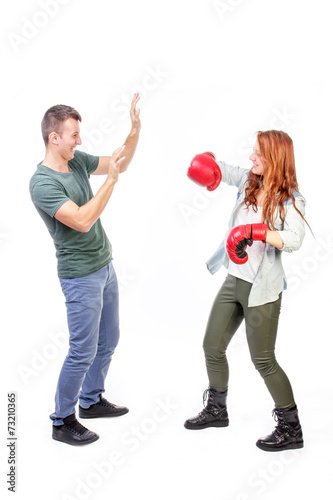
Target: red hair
[(279, 176)]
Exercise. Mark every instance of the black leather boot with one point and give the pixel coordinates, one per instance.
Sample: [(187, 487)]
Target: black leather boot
[(287, 434), (214, 414)]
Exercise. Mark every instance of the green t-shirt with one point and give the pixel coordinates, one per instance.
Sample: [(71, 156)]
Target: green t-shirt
[(78, 254)]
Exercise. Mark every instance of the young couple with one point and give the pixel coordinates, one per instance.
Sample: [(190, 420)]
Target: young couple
[(268, 218)]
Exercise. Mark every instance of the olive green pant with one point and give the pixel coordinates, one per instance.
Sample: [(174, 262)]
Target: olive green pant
[(261, 322)]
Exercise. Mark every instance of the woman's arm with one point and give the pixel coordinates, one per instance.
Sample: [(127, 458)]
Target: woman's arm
[(273, 238), (292, 234), (234, 176)]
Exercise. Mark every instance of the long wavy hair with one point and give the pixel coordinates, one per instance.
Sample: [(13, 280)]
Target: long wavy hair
[(276, 150)]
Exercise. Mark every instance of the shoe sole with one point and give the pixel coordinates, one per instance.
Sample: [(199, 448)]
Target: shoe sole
[(225, 423), (106, 415), (76, 443), (291, 446)]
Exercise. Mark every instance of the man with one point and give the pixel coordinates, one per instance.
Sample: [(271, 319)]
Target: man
[(62, 195)]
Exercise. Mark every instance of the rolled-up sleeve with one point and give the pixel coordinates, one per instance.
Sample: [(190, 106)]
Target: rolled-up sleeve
[(293, 232), (234, 176)]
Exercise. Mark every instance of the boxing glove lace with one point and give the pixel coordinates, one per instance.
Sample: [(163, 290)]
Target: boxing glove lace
[(242, 236)]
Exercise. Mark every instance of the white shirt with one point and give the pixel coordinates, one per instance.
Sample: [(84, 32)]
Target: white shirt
[(255, 252), (271, 279)]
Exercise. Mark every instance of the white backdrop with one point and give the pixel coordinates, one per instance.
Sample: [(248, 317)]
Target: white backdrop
[(210, 74)]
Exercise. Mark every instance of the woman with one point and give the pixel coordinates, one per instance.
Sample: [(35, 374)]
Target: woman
[(268, 218)]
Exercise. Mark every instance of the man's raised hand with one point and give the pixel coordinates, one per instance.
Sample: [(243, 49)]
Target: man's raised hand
[(116, 160)]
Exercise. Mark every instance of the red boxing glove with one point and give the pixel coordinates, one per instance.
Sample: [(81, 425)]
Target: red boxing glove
[(242, 236), (205, 171)]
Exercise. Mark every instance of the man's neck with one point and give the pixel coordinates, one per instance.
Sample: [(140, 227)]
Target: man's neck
[(55, 162)]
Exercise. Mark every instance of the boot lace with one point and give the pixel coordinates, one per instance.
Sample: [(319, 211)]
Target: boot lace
[(205, 396), (208, 399), (282, 427)]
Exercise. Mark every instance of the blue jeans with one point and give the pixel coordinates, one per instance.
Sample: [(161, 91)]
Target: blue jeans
[(93, 322)]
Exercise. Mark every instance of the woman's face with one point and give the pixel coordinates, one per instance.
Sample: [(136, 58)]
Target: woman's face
[(257, 165)]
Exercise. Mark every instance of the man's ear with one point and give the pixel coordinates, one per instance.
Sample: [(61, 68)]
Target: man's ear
[(53, 138)]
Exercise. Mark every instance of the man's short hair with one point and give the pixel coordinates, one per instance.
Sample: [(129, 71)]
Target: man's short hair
[(54, 118)]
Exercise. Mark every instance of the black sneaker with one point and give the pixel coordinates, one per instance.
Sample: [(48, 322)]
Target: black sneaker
[(72, 432), (102, 409)]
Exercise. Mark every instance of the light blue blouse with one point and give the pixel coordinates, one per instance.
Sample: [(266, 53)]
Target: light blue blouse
[(270, 280)]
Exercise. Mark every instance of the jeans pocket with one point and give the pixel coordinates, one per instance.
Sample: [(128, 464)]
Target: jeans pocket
[(69, 289)]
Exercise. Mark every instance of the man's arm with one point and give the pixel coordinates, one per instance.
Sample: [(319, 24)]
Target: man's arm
[(130, 143), (84, 217)]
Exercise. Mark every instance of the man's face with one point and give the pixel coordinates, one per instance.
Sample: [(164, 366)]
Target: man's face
[(69, 138)]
